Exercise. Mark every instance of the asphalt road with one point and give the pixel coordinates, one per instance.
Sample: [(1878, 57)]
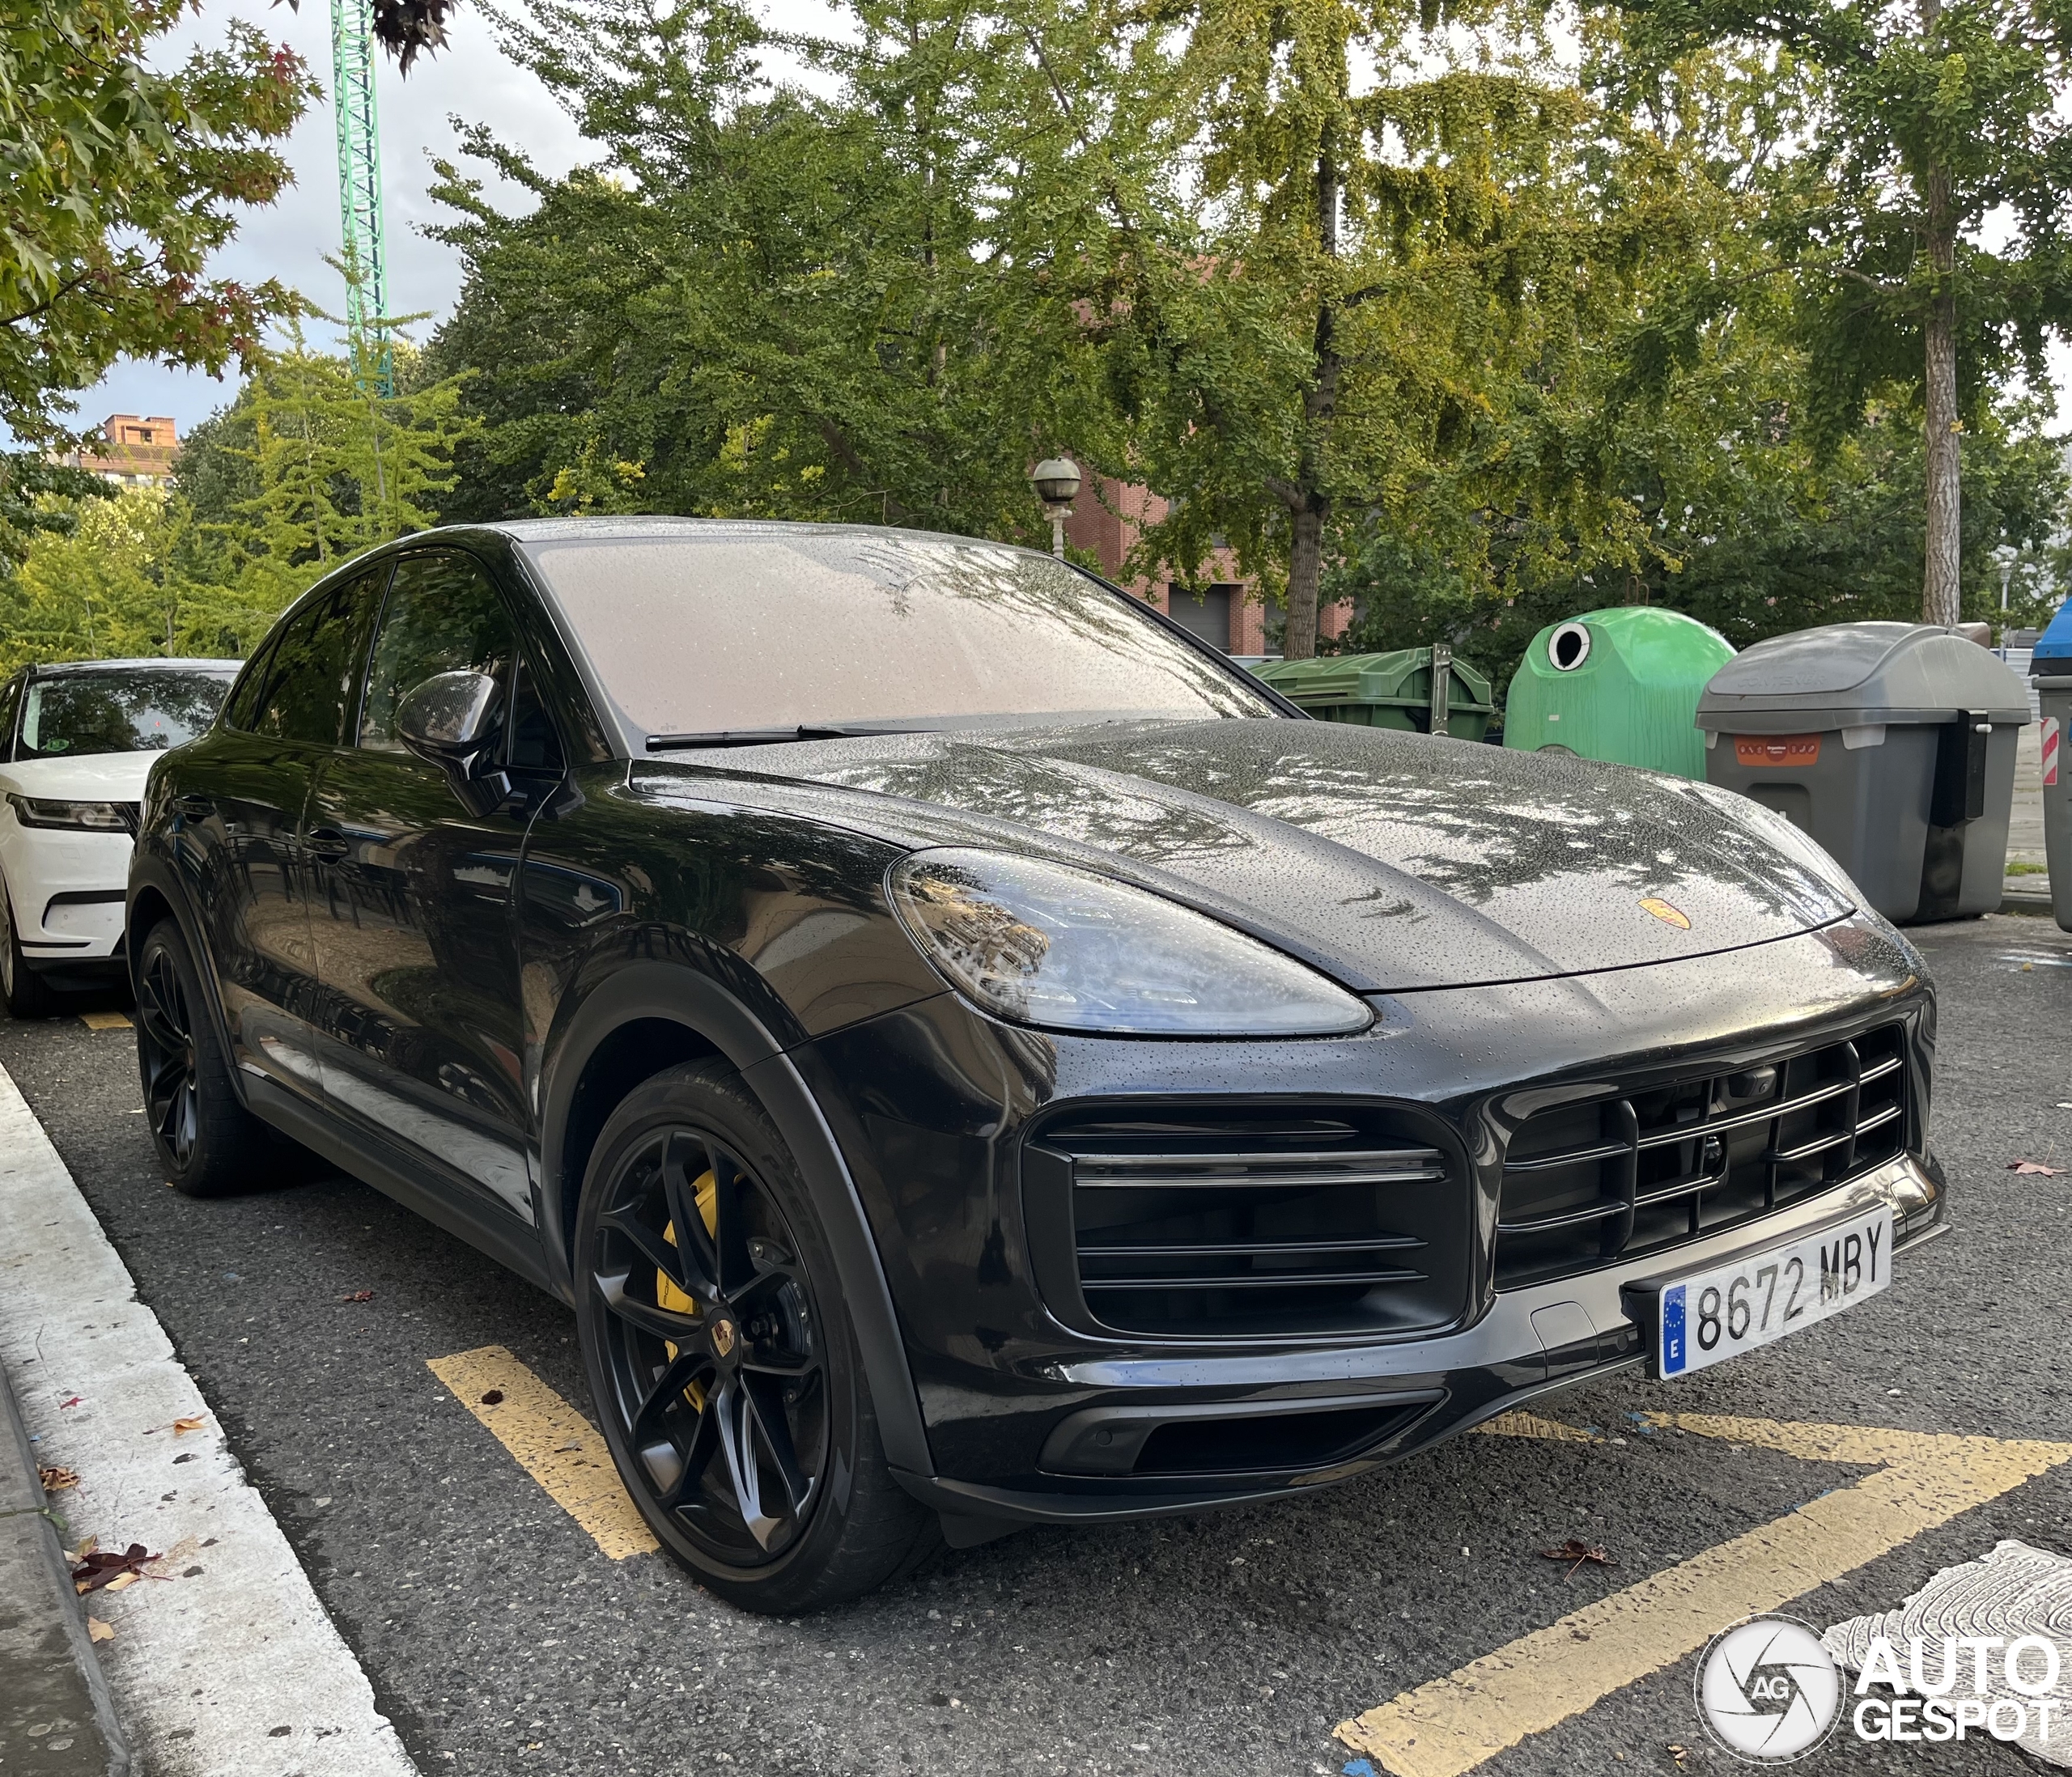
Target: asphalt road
[(501, 1639)]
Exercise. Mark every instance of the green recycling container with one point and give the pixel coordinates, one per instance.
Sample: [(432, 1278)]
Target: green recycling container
[(1391, 690), (1620, 685)]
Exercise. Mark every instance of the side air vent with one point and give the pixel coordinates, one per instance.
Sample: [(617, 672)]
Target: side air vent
[(1257, 1223), (1645, 1170)]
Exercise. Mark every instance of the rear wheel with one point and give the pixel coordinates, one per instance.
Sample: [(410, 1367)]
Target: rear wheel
[(208, 1142), (721, 1360), (28, 994)]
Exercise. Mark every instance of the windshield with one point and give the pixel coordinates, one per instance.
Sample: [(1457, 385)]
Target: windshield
[(740, 630), (138, 711)]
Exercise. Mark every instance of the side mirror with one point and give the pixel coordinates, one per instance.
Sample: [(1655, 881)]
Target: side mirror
[(449, 717)]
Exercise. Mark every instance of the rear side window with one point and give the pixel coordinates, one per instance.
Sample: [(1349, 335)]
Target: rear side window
[(443, 615), (316, 662), (241, 709)]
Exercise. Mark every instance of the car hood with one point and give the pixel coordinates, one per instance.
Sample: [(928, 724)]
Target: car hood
[(1397, 861), (92, 777)]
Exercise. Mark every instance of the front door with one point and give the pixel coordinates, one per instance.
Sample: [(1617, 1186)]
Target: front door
[(411, 918)]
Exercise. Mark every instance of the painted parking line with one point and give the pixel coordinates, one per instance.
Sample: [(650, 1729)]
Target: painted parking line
[(550, 1441), (105, 1020), (1454, 1723)]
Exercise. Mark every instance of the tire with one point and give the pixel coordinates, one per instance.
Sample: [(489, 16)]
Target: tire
[(208, 1142), (28, 994), (723, 1367)]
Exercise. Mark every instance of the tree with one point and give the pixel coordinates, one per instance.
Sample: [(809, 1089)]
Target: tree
[(866, 301), (1933, 125), (1404, 259), (116, 182)]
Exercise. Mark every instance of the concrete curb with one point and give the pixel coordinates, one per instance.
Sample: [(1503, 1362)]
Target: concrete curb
[(224, 1663), (56, 1716), (2017, 900)]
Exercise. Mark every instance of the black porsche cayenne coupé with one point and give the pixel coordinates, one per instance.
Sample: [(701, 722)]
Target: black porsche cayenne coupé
[(972, 1056)]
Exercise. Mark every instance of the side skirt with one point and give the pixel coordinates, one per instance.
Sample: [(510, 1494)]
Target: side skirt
[(503, 1238)]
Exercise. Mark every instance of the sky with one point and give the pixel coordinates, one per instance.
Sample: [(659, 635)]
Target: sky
[(289, 239)]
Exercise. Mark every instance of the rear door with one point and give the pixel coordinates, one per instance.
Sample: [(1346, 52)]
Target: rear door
[(413, 923), (237, 795)]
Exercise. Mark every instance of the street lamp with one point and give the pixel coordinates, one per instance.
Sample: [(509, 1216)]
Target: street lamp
[(1057, 486)]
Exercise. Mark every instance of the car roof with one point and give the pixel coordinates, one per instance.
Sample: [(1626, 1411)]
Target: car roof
[(540, 530), (51, 669)]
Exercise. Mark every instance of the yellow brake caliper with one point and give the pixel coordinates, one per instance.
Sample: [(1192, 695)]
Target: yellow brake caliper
[(667, 1295)]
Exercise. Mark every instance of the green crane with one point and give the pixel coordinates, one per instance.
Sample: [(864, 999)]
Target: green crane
[(359, 192)]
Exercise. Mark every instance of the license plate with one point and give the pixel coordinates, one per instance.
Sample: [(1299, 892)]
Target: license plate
[(1709, 1316)]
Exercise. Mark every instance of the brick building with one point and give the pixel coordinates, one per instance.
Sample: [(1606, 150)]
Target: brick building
[(137, 451), (1107, 521)]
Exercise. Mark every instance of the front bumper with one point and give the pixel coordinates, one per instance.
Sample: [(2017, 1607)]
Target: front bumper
[(66, 892), (1418, 1393)]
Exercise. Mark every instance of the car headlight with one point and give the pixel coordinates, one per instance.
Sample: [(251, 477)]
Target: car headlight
[(1044, 944), (91, 816)]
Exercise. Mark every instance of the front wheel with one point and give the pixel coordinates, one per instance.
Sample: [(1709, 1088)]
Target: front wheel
[(28, 994), (721, 1360)]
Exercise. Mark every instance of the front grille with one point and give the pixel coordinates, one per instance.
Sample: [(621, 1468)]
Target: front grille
[(1263, 1224), (1619, 1176)]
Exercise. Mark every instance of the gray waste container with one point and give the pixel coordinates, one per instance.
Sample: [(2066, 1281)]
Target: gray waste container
[(1892, 744)]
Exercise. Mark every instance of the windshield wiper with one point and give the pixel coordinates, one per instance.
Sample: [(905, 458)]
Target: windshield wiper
[(769, 737)]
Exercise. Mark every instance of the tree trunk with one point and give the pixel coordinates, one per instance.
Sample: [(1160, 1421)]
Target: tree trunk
[(1942, 599), (1941, 596), (1305, 573), (1310, 507)]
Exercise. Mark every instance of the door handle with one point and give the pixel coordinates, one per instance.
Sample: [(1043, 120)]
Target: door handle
[(327, 843), (194, 808)]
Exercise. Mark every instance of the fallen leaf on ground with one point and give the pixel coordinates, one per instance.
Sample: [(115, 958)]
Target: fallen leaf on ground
[(55, 1479), (77, 1400), (1577, 1552), (1679, 1753), (2036, 1167), (100, 1568), (358, 1295), (494, 1397), (86, 1545), (197, 1424), (120, 1581), (98, 1631)]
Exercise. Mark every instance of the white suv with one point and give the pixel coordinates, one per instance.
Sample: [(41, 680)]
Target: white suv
[(76, 743)]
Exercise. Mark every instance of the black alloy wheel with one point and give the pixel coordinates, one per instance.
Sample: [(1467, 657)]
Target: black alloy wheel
[(28, 994), (722, 1363), (714, 1356), (166, 1058), (206, 1140)]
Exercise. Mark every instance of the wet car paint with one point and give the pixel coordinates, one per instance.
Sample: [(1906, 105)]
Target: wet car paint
[(1487, 903)]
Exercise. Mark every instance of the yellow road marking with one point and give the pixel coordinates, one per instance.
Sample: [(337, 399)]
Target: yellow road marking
[(552, 1443), (1454, 1723), (105, 1020)]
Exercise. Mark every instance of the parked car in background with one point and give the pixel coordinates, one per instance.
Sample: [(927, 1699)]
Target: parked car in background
[(77, 741), (972, 1056)]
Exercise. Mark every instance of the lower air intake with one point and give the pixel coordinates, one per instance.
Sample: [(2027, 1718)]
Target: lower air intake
[(1253, 1223)]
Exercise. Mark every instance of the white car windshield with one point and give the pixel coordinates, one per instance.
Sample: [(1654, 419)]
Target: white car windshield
[(138, 710)]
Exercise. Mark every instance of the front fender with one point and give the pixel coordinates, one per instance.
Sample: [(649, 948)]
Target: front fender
[(649, 991)]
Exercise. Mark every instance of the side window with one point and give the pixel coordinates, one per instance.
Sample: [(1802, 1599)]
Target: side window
[(314, 663), (443, 616), (241, 708)]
